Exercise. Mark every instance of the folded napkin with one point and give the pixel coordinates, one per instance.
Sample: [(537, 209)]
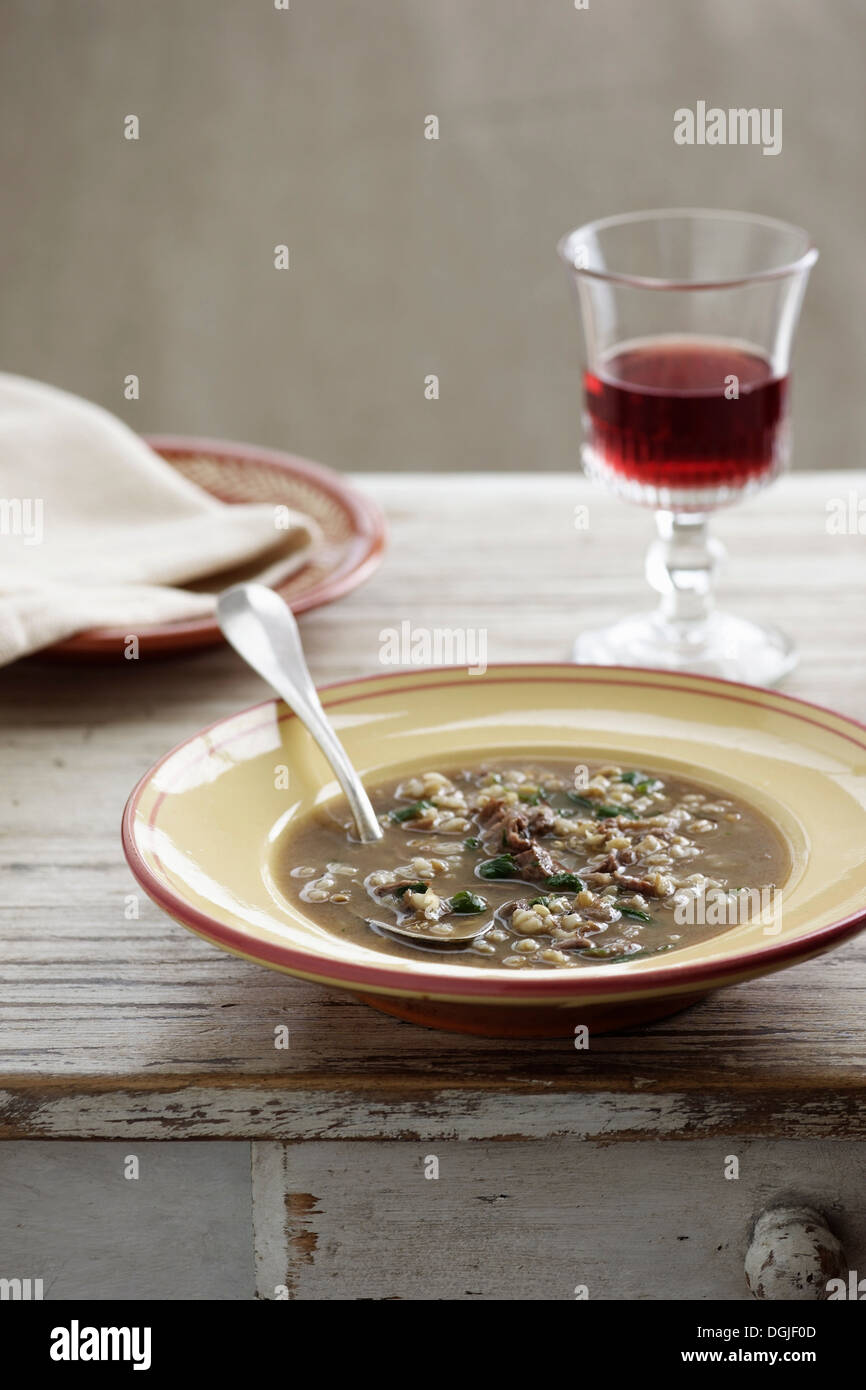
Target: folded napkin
[(96, 530)]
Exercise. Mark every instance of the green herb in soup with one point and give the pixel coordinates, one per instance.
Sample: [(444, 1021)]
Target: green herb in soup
[(556, 878), (464, 902)]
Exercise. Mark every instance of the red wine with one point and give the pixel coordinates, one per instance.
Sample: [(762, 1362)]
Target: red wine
[(657, 415)]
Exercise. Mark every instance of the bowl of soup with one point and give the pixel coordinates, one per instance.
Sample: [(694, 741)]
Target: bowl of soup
[(562, 847)]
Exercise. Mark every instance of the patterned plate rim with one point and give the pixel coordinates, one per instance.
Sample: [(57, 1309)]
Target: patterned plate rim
[(363, 553)]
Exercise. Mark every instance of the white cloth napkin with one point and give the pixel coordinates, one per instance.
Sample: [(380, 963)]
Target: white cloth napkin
[(96, 530)]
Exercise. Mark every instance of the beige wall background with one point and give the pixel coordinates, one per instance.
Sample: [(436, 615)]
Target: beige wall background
[(408, 256)]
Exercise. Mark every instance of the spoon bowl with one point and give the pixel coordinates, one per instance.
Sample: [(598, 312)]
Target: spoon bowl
[(457, 940)]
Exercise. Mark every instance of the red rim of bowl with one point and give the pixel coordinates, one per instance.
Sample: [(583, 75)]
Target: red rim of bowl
[(592, 980), (369, 535)]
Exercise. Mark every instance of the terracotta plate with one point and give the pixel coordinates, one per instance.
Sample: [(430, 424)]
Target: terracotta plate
[(353, 529), (201, 827)]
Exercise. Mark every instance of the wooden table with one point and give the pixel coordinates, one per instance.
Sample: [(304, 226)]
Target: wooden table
[(117, 1027)]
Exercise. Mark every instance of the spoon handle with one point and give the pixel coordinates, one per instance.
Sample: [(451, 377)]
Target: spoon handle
[(262, 629)]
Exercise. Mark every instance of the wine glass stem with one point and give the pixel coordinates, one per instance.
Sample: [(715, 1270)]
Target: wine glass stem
[(681, 566)]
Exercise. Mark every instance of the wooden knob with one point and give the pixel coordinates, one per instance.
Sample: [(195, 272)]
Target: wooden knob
[(793, 1254)]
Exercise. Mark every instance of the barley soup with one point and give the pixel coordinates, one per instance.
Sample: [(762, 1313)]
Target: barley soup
[(562, 866)]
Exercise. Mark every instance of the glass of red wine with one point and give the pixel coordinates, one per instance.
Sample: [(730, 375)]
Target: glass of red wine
[(689, 317)]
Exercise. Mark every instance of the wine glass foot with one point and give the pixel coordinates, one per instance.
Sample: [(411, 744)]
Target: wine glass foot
[(723, 645)]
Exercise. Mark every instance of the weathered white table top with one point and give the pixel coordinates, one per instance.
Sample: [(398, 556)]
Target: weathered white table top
[(110, 1026)]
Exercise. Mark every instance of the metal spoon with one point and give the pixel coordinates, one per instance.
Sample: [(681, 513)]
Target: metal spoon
[(459, 939), (262, 629)]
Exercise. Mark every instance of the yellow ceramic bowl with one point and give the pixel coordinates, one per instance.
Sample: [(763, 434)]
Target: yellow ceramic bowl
[(200, 828)]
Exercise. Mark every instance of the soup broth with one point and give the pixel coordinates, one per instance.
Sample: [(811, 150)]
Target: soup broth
[(561, 866)]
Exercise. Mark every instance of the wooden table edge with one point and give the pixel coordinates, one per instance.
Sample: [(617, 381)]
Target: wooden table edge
[(421, 1109)]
